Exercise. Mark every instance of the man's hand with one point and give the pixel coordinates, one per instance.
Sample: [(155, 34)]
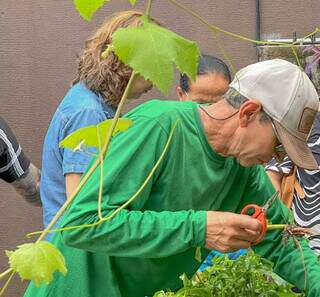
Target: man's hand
[(228, 232)]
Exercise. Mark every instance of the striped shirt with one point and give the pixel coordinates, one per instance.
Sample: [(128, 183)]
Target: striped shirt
[(13, 162), (306, 211)]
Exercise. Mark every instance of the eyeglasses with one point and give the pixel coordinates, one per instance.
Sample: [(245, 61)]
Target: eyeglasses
[(279, 152)]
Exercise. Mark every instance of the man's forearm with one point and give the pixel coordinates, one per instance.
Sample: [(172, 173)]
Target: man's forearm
[(28, 185), (163, 233)]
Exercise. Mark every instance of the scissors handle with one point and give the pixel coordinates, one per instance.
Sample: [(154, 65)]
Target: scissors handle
[(258, 214)]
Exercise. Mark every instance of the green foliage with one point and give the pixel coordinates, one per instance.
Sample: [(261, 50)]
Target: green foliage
[(132, 2), (37, 261), (152, 50), (248, 276), (92, 136), (87, 8)]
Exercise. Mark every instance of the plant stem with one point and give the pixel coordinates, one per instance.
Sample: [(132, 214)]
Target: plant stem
[(96, 163), (109, 135), (199, 277), (7, 283), (276, 226), (148, 8), (107, 51), (238, 36), (216, 36), (132, 198), (3, 274), (101, 178), (205, 22)]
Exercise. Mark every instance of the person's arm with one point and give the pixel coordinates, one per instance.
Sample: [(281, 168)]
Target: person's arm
[(16, 168), (75, 162), (129, 160), (131, 157), (287, 257), (27, 186), (72, 181)]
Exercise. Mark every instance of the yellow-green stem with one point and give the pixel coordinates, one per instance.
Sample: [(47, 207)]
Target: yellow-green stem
[(131, 199), (101, 178), (276, 226), (148, 9), (224, 52), (7, 283), (238, 36), (107, 51), (3, 274), (113, 125)]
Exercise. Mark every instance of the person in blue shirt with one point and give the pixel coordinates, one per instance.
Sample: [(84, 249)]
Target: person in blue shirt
[(93, 98)]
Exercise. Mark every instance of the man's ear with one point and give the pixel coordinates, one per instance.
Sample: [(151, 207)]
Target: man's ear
[(249, 111), (181, 94)]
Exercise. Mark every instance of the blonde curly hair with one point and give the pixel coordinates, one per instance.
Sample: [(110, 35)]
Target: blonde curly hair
[(109, 76)]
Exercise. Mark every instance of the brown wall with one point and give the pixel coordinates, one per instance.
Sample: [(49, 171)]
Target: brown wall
[(39, 42)]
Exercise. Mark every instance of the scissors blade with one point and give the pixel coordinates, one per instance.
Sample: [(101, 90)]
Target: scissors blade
[(270, 201)]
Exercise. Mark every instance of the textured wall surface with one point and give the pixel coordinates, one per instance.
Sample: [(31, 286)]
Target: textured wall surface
[(39, 42)]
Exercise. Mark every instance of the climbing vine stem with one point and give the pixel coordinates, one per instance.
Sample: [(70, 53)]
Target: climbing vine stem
[(96, 163)]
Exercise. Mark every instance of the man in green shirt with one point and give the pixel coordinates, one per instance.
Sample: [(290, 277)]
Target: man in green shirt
[(208, 174)]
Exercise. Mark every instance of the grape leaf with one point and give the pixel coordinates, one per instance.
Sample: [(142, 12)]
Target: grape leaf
[(87, 8), (132, 2), (37, 261), (88, 136), (152, 50)]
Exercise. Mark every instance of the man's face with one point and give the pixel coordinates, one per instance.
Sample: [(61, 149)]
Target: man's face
[(208, 88), (255, 143)]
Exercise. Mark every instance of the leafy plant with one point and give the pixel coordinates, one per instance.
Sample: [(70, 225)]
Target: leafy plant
[(249, 275), (315, 58), (87, 8), (152, 50), (37, 261), (132, 2), (94, 136)]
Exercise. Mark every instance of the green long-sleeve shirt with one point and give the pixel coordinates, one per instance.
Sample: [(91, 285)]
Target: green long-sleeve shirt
[(148, 245)]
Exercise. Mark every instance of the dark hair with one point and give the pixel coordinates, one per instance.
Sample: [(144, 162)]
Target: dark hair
[(235, 99), (207, 64)]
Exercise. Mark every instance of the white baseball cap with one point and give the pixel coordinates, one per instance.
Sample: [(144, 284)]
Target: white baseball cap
[(288, 96)]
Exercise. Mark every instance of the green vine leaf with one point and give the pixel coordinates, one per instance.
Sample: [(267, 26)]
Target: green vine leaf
[(37, 261), (152, 50), (89, 136), (87, 8), (132, 2)]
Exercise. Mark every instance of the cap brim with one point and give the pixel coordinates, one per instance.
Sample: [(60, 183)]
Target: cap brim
[(297, 149)]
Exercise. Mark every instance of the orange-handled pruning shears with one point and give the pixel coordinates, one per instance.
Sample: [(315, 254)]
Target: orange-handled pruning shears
[(260, 214)]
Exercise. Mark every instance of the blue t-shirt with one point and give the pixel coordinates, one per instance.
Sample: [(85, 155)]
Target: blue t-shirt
[(232, 256), (79, 108)]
